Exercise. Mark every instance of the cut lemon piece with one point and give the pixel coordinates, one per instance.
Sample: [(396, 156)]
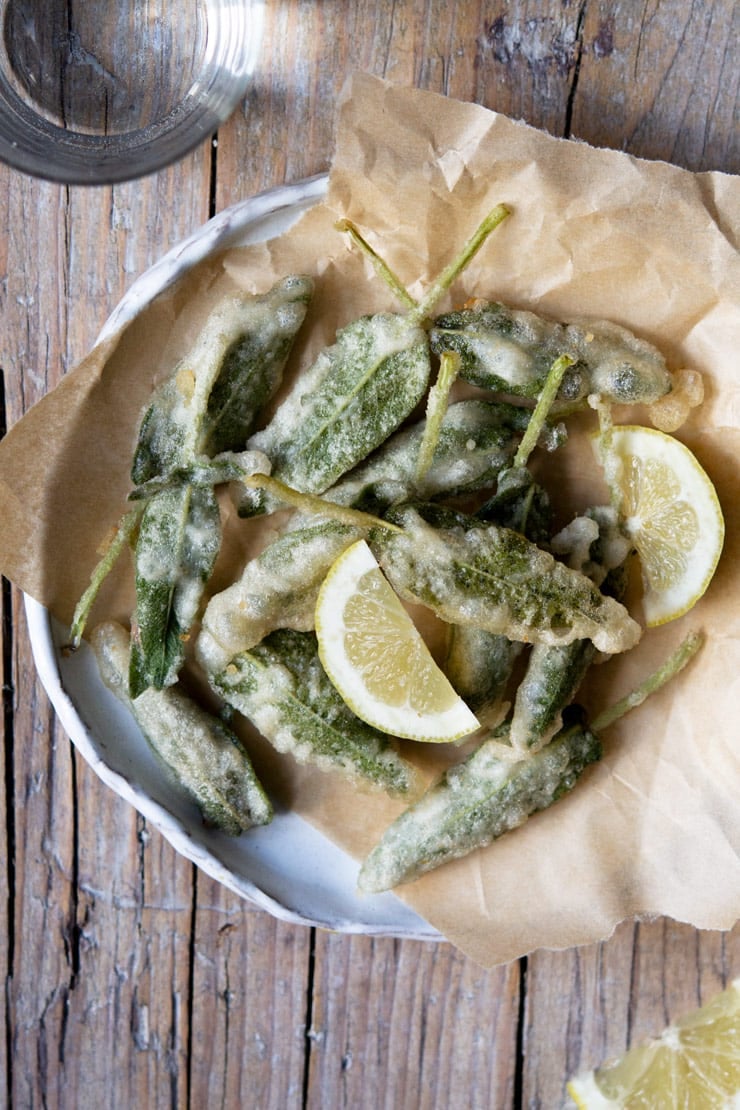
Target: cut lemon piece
[(671, 512), (694, 1064), (376, 658)]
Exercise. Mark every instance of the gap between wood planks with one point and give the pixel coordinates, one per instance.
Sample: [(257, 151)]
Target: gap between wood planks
[(9, 776), (580, 23)]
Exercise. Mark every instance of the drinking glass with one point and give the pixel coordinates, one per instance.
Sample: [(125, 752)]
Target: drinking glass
[(102, 91)]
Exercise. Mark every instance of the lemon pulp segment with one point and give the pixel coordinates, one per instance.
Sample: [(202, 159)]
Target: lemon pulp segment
[(378, 660), (671, 511), (695, 1063)]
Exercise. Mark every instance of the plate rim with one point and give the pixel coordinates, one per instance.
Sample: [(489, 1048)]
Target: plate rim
[(217, 234)]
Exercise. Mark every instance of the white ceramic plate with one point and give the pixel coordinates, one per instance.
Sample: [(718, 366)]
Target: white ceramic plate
[(287, 867)]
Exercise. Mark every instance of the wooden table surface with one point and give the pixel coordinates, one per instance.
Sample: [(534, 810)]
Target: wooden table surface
[(132, 979)]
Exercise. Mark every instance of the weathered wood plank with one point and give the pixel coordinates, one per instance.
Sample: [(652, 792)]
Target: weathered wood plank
[(661, 81), (249, 1004), (526, 58), (409, 1023), (131, 956), (7, 794), (7, 839), (44, 894), (658, 81)]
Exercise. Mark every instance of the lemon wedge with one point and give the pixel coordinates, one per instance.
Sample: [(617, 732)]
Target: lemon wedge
[(694, 1063), (671, 512), (376, 658)]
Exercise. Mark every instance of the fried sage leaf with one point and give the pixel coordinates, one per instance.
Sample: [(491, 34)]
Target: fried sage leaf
[(281, 687), (278, 589), (253, 367), (201, 755), (554, 673), (482, 662), (179, 539), (471, 572), (207, 407), (354, 396), (479, 665), (476, 439), (476, 802), (509, 350), (359, 390), (550, 681), (229, 466), (210, 401)]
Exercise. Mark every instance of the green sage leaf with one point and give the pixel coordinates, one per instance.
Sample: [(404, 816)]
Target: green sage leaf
[(476, 802), (511, 351), (493, 578), (277, 589), (281, 687), (200, 754), (356, 394), (179, 539), (211, 399)]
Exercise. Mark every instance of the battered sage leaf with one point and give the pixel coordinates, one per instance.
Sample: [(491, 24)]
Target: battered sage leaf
[(479, 665), (496, 789), (521, 504), (476, 439), (356, 394), (207, 407), (229, 466), (554, 673), (471, 572), (281, 687), (278, 589), (253, 367), (359, 390), (476, 802), (510, 350), (210, 401), (190, 436), (200, 754), (179, 539)]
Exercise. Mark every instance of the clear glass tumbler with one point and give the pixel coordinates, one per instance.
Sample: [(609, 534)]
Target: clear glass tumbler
[(101, 91)]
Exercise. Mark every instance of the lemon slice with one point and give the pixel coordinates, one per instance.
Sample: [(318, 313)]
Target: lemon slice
[(376, 658), (672, 514), (694, 1063)]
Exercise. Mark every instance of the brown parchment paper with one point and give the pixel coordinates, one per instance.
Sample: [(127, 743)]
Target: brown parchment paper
[(655, 827)]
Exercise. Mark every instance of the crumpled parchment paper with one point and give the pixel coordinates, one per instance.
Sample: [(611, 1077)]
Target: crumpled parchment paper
[(655, 827)]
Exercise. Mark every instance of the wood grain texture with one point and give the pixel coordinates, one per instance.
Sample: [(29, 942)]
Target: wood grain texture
[(410, 1024), (250, 977), (131, 979), (662, 82)]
